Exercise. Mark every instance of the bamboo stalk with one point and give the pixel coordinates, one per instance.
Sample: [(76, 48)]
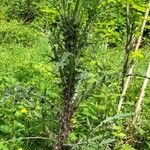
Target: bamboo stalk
[(126, 83), (142, 94)]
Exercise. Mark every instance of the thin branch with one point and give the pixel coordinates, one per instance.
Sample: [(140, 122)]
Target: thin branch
[(126, 84), (26, 138), (142, 94)]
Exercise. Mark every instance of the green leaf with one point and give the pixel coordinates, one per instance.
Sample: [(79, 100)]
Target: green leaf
[(5, 128), (127, 147)]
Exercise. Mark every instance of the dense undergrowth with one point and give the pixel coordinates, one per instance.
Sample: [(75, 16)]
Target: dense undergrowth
[(30, 84)]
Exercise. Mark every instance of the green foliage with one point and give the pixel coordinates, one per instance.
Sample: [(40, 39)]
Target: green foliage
[(30, 84), (26, 114), (15, 32)]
